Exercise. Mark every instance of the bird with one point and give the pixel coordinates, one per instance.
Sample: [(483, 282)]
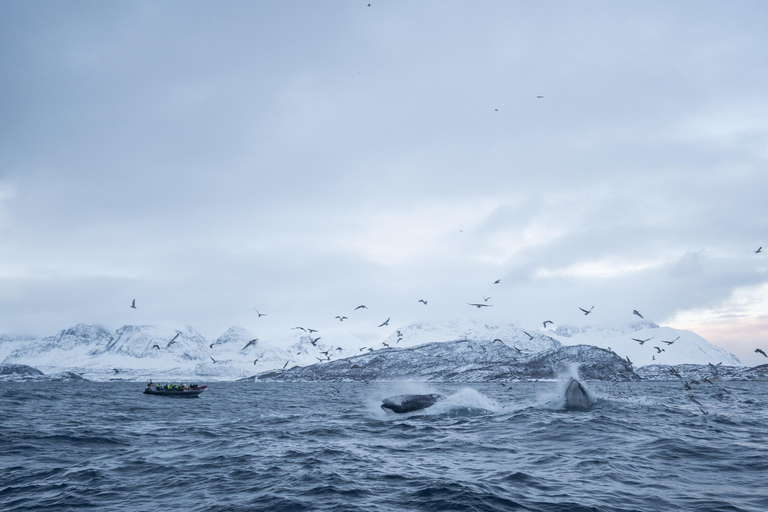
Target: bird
[(659, 350), (386, 322), (363, 348), (423, 301), (495, 110), (478, 306), (310, 331), (670, 342), (497, 281), (212, 359), (314, 341), (260, 314), (399, 334), (361, 306), (177, 335), (326, 352), (498, 339), (321, 360), (340, 349), (254, 361), (399, 340), (286, 364), (539, 97), (636, 312), (641, 341), (486, 299), (630, 362), (548, 322), (341, 318), (253, 341), (171, 343), (759, 250), (116, 370), (760, 351), (529, 336), (586, 312), (156, 346), (385, 344), (211, 345), (133, 304), (303, 329)]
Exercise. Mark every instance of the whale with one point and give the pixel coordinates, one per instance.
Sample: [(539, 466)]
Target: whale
[(576, 397), (410, 403)]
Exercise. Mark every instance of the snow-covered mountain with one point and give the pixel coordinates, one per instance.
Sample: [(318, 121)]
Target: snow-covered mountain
[(646, 343), (136, 352), (464, 361)]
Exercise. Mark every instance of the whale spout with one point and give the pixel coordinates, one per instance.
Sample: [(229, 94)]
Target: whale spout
[(576, 397), (409, 403)]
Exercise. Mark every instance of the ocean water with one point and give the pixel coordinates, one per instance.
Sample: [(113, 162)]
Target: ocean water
[(321, 446)]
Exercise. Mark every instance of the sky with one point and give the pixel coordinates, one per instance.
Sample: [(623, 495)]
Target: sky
[(301, 158)]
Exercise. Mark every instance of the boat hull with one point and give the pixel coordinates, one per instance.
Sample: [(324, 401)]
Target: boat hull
[(186, 393)]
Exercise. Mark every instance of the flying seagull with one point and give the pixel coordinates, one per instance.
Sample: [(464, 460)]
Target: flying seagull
[(212, 359), (760, 351), (260, 314), (497, 281), (386, 322), (254, 361), (759, 250), (177, 335), (314, 341), (385, 344), (303, 329), (548, 322), (116, 370), (361, 306), (641, 341), (423, 301), (341, 318), (670, 342), (539, 97), (286, 364), (586, 312), (171, 343), (529, 336), (486, 299), (478, 306), (253, 341), (310, 331), (636, 312), (659, 350), (133, 304), (156, 346)]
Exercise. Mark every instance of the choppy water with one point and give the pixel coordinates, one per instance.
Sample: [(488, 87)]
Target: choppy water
[(315, 446)]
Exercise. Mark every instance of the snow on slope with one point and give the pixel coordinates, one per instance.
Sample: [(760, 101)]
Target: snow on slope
[(136, 352), (418, 334), (687, 347)]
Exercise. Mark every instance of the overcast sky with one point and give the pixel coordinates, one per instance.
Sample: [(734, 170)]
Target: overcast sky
[(302, 158)]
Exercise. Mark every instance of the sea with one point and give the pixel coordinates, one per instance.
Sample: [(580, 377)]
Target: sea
[(252, 446)]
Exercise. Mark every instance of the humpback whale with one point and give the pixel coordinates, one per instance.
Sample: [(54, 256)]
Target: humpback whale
[(409, 403), (576, 397)]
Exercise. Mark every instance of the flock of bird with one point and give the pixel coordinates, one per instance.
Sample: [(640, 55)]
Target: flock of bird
[(478, 305)]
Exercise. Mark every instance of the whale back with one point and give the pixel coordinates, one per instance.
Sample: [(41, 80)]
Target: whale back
[(409, 403)]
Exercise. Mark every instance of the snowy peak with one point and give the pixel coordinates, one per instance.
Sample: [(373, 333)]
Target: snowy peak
[(654, 345), (468, 330), (603, 331), (150, 341)]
